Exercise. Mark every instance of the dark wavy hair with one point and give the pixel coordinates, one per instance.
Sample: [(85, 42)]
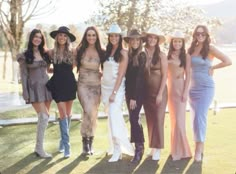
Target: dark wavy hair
[(83, 45), (206, 45), (29, 53), (117, 55), (182, 56), (156, 55)]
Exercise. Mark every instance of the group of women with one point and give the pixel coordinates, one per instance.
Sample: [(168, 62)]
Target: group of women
[(139, 74)]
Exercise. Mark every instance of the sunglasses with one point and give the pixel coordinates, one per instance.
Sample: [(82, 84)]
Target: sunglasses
[(203, 34)]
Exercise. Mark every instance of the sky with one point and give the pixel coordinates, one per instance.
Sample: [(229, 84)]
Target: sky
[(78, 11)]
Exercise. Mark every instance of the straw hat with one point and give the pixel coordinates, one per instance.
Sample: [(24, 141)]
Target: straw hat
[(65, 30), (134, 33), (157, 32), (114, 29), (177, 35)]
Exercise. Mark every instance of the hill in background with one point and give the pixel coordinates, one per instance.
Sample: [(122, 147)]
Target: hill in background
[(226, 12)]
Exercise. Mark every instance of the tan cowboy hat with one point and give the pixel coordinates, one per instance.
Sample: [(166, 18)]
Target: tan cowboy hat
[(157, 32), (134, 33), (114, 29), (65, 30), (177, 34)]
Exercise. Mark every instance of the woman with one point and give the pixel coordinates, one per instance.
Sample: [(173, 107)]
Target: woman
[(202, 85), (178, 83), (34, 63), (63, 84), (113, 91), (156, 91), (89, 58), (135, 90)]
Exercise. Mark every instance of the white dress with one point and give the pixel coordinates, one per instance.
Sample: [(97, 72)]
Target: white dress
[(118, 132)]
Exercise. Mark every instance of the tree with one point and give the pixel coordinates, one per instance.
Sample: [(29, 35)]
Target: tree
[(13, 16), (167, 15)]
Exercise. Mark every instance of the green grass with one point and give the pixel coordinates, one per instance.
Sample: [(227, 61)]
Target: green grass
[(17, 144)]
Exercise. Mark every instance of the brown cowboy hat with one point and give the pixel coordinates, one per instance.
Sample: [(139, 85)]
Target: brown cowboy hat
[(65, 30), (134, 33)]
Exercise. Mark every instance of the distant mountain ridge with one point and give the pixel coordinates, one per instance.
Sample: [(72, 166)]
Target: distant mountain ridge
[(226, 11)]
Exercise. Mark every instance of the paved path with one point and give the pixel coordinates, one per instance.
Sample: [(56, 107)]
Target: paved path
[(11, 101)]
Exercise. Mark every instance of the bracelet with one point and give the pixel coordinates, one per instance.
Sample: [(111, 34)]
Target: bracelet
[(114, 92)]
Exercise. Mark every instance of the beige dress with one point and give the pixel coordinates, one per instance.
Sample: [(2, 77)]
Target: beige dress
[(155, 115), (34, 78), (89, 94), (177, 109)]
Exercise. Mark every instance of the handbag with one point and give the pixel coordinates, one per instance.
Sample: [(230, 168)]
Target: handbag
[(50, 84)]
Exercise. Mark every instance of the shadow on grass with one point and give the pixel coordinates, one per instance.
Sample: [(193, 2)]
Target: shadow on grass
[(148, 166), (176, 167), (195, 168), (123, 166), (23, 163), (69, 168)]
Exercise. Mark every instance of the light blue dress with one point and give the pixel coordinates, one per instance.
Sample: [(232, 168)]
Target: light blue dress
[(201, 94)]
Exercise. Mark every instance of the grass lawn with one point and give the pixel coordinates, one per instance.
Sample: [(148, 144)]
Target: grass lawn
[(17, 144)]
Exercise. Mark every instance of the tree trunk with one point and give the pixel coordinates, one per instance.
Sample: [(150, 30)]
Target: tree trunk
[(4, 63)]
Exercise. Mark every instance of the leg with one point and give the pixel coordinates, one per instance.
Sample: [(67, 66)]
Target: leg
[(43, 116), (64, 129), (199, 146)]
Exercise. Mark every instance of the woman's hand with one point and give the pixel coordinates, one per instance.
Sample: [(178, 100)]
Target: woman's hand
[(184, 97), (158, 99), (132, 104), (112, 98), (211, 71)]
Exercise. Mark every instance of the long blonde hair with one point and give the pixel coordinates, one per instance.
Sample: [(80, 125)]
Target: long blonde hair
[(67, 56)]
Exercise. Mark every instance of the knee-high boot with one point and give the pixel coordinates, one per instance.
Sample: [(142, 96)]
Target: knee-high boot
[(91, 145), (64, 128), (86, 147), (61, 146), (139, 150), (41, 127)]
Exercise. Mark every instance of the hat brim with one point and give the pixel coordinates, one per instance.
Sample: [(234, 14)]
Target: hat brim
[(71, 36), (169, 38), (127, 38), (162, 38)]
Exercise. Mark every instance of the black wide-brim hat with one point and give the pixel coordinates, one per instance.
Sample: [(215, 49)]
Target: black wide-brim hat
[(65, 30), (134, 33)]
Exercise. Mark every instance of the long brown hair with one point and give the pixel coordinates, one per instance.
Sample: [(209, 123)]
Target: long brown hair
[(156, 54), (206, 45), (84, 45), (134, 53), (182, 56)]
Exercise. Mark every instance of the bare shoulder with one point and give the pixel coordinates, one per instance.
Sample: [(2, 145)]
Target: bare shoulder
[(163, 55), (20, 57), (50, 52), (124, 53)]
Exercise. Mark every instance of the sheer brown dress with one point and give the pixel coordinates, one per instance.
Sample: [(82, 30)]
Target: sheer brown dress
[(155, 114), (89, 94)]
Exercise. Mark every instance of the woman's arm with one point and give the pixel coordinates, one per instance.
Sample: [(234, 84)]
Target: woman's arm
[(24, 76), (164, 67), (225, 60), (121, 73), (187, 78), (50, 52)]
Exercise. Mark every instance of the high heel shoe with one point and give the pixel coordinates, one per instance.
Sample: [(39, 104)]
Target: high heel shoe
[(116, 154), (198, 157), (115, 157), (156, 154), (150, 153), (43, 155)]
